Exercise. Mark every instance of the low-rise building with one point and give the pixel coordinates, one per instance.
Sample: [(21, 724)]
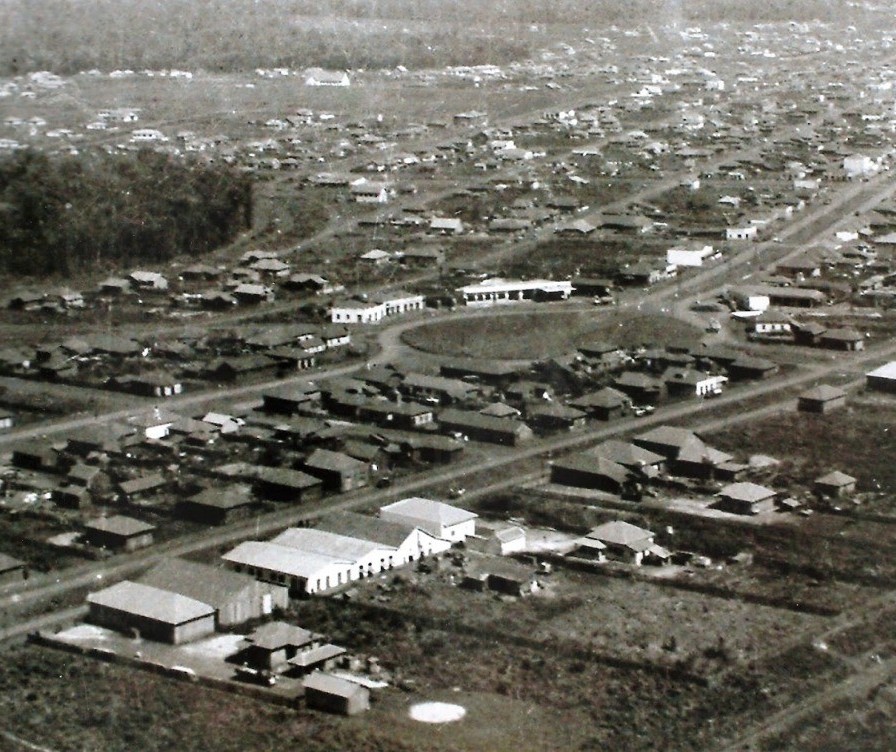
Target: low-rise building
[(437, 518)]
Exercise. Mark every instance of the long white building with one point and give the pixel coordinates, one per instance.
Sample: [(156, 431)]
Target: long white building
[(497, 291)]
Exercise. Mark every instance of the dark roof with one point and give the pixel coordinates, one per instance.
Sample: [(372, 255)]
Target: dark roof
[(279, 634), (324, 459)]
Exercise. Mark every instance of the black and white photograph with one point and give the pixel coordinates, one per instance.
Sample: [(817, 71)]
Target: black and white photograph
[(447, 375)]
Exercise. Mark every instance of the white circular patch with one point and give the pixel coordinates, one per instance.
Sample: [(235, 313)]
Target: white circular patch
[(437, 712)]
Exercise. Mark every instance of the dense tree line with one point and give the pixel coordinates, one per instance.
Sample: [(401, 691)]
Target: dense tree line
[(62, 215), (232, 35)]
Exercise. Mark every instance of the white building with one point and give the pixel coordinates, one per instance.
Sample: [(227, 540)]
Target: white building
[(141, 135), (435, 517), (749, 232), (301, 572), (496, 291), (374, 309), (688, 256), (320, 77)]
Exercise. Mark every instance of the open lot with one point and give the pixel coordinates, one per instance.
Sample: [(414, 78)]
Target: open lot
[(812, 445), (534, 334)]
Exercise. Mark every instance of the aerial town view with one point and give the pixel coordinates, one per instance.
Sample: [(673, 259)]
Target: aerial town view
[(414, 375)]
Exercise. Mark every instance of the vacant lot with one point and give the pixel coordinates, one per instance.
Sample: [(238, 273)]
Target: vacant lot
[(858, 440), (535, 334)]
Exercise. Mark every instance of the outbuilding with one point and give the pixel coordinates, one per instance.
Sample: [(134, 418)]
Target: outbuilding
[(821, 399), (119, 532), (333, 694), (834, 485)]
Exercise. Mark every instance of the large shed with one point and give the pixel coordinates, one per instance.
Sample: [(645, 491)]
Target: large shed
[(236, 597), (155, 613)]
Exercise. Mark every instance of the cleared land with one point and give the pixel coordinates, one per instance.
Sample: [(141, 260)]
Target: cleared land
[(533, 335)]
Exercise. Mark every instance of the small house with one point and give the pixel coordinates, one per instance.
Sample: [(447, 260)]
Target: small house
[(119, 533), (746, 498), (834, 485), (821, 399), (882, 379), (12, 570), (623, 541)]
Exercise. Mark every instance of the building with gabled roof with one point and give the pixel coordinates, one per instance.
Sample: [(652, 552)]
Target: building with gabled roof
[(333, 694), (437, 518), (835, 484), (119, 532), (821, 399), (746, 498), (623, 541), (410, 541), (302, 572), (236, 598), (152, 612), (585, 470), (882, 379)]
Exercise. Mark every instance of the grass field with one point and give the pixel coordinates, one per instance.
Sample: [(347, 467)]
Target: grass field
[(534, 334), (812, 445)]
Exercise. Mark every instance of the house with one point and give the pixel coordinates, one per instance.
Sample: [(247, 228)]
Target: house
[(604, 404), (364, 558), (290, 400), (142, 486), (497, 540), (235, 598), (834, 485), (807, 332), (686, 453), (689, 257), (446, 225), (882, 379), (286, 484), (748, 367), (150, 384), (623, 541), (485, 428), (585, 470), (844, 338), (821, 399), (637, 460), (251, 293), (155, 424), (601, 353), (495, 374), (12, 570), (119, 532), (440, 520), (687, 382), (370, 193), (554, 417), (148, 281), (437, 388), (338, 471), (218, 506), (505, 576), (742, 232), (771, 323), (151, 612), (641, 388), (497, 291), (332, 694), (271, 646), (746, 498), (357, 311)]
